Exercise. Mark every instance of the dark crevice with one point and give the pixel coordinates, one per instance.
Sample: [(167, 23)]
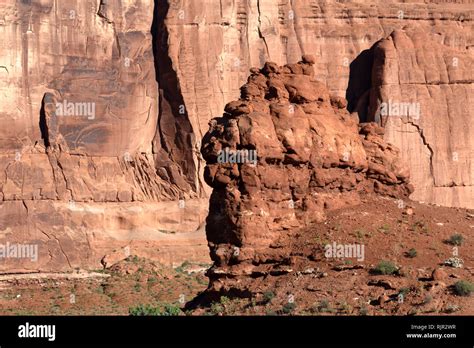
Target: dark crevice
[(102, 12), (174, 135), (360, 83), (43, 125)]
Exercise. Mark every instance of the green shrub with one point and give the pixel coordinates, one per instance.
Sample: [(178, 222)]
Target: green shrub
[(463, 288), (217, 308), (385, 267), (268, 296), (456, 239), (323, 307), (289, 307), (224, 300), (161, 310), (171, 310), (404, 291), (346, 308)]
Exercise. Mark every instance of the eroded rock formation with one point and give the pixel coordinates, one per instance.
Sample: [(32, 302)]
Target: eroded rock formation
[(312, 155)]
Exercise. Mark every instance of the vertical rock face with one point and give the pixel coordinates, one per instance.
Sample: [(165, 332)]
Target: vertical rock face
[(87, 159), (422, 92), (309, 155), (84, 52)]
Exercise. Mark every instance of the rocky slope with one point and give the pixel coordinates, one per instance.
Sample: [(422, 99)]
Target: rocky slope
[(308, 281), (311, 155)]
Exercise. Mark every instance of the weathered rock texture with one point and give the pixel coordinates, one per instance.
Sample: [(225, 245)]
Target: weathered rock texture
[(312, 156), (213, 44), (437, 139), (115, 172)]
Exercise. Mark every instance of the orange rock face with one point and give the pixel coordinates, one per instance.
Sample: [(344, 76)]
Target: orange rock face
[(421, 91), (92, 160), (237, 35), (310, 155)]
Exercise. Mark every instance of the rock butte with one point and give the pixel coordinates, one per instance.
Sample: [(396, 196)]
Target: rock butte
[(312, 156), (86, 188)]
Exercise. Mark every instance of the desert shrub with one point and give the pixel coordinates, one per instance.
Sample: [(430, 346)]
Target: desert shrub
[(456, 239), (385, 267), (404, 291), (463, 288), (149, 310), (220, 306), (268, 296), (289, 307), (322, 307), (412, 253)]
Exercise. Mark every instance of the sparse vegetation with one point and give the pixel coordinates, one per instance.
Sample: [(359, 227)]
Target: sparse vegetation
[(219, 307), (322, 307), (360, 233), (182, 268), (224, 300), (289, 307), (412, 253), (149, 310), (385, 228), (268, 296), (216, 308), (463, 288), (100, 289), (346, 308), (404, 291), (456, 239), (385, 268)]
